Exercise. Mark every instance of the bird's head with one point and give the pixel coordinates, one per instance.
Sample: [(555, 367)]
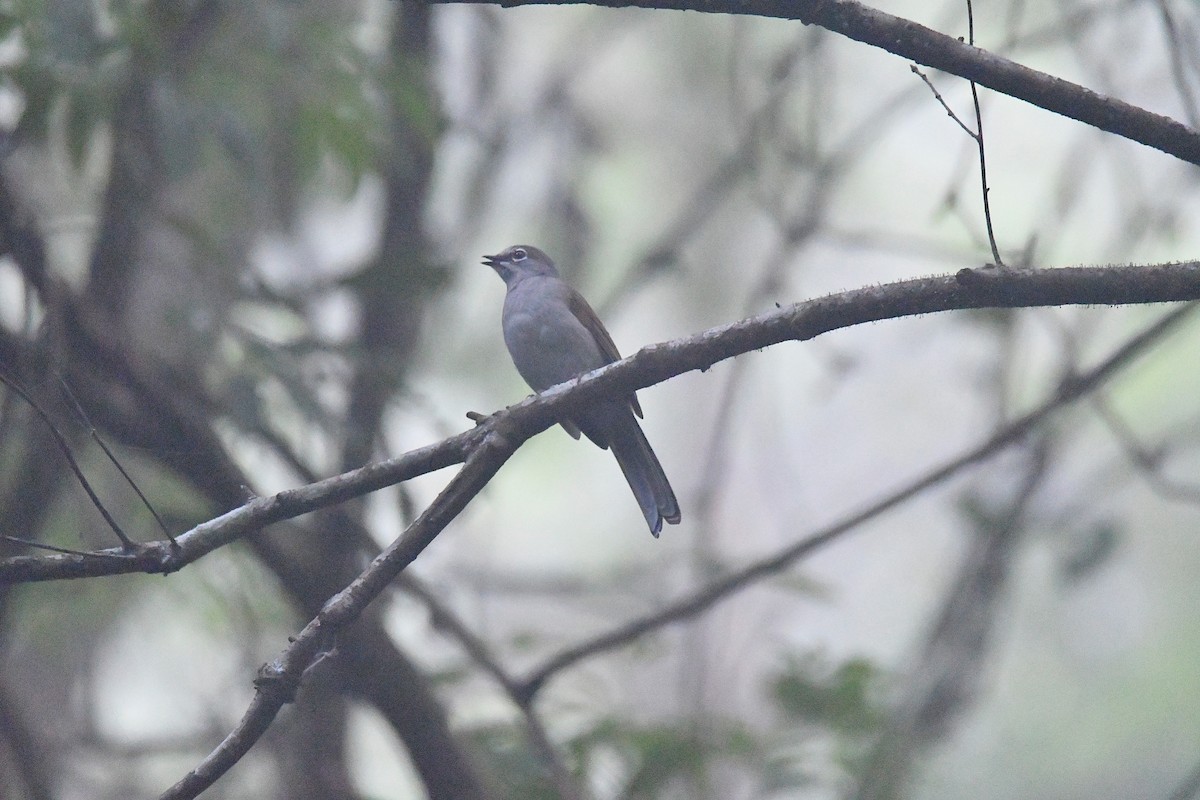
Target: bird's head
[(520, 260)]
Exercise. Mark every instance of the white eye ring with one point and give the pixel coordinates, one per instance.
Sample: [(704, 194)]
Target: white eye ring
[(519, 254)]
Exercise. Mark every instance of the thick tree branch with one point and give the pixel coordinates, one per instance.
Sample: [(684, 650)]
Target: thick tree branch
[(930, 48), (967, 289), (160, 557)]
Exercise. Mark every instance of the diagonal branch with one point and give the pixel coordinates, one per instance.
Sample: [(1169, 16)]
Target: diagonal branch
[(279, 679), (915, 42), (949, 671), (724, 587), (967, 289)]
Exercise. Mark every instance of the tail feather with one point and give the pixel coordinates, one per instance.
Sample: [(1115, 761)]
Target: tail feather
[(644, 474)]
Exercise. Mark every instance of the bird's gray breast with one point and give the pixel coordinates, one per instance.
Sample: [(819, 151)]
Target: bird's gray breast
[(548, 344)]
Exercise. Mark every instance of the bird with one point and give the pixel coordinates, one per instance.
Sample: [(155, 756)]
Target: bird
[(553, 335)]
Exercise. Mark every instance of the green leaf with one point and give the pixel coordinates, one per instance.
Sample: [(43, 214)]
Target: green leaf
[(841, 700)]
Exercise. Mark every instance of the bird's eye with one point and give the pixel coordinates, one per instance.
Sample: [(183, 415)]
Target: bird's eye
[(519, 254)]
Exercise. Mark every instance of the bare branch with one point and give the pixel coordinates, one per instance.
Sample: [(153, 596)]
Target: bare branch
[(914, 42), (279, 679), (968, 288), (983, 180), (52, 548), (722, 588), (158, 557), (948, 672), (942, 102)]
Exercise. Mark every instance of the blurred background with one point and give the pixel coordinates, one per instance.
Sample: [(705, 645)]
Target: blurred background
[(242, 242)]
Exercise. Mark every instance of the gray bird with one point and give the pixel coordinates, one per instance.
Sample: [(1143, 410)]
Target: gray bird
[(553, 335)]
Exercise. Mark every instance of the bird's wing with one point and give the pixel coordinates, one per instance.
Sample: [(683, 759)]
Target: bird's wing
[(588, 319)]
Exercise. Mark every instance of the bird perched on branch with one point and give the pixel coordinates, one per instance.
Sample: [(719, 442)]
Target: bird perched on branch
[(553, 335)]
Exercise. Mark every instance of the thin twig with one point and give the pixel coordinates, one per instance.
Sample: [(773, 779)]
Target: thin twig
[(111, 457), (942, 101), (64, 550), (987, 206), (63, 446), (976, 134)]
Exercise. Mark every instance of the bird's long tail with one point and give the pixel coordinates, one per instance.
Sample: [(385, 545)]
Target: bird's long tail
[(644, 474)]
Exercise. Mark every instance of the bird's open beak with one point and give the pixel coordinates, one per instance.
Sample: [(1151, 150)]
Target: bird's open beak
[(490, 261)]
